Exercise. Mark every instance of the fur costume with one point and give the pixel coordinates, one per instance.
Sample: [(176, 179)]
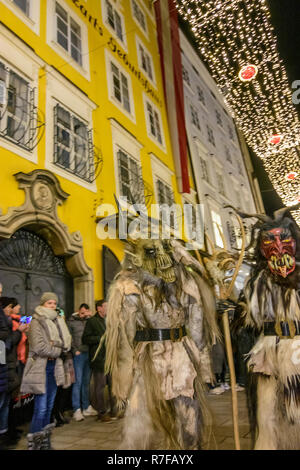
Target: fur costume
[(161, 286), (272, 298)]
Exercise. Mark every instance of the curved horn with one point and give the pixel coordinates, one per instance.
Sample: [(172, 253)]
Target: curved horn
[(262, 217), (223, 238), (279, 214), (212, 246)]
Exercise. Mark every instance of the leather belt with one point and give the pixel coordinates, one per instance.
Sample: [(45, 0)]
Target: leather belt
[(164, 334), (283, 329)]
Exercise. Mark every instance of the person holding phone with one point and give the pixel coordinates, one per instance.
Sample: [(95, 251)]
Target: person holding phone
[(49, 339), (12, 339)]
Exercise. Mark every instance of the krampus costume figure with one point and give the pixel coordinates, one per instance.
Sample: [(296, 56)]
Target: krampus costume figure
[(273, 308), (160, 320)]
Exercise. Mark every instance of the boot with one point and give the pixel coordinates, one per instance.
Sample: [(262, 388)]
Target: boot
[(3, 442), (34, 441), (46, 441)]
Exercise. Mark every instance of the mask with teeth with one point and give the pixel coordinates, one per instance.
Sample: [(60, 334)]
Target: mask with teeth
[(279, 248), (155, 257)]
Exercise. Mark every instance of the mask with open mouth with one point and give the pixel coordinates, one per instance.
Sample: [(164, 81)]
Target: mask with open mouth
[(155, 257), (279, 248)]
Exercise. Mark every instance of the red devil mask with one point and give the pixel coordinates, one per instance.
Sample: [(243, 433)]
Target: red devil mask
[(279, 248)]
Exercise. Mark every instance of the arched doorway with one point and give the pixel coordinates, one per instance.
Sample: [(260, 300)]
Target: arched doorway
[(29, 267)]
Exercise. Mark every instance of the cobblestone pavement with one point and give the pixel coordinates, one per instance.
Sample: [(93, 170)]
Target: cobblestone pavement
[(93, 435)]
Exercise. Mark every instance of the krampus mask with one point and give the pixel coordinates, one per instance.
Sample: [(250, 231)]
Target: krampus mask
[(277, 241), (155, 257)]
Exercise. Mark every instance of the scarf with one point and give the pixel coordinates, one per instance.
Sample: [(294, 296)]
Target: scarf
[(55, 326)]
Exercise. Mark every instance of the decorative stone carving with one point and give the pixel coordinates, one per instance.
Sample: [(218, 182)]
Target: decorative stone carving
[(43, 193), (42, 196)]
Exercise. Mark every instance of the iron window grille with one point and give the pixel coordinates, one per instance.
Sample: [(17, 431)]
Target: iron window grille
[(201, 97), (185, 75), (74, 150), (211, 137), (219, 118), (165, 197), (130, 178), (120, 87), (204, 170), (20, 120), (68, 34), (146, 62), (23, 5), (139, 15), (114, 20), (195, 118), (154, 123)]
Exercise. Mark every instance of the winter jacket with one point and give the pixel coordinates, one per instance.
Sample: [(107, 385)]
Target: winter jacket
[(94, 330), (40, 350), (11, 342), (76, 326), (21, 349), (4, 333)]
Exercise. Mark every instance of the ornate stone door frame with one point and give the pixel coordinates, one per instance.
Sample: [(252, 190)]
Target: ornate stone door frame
[(43, 193)]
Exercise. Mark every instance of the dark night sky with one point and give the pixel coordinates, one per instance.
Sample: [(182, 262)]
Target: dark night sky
[(285, 17), (286, 21)]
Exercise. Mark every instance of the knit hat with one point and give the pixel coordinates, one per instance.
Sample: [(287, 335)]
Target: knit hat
[(5, 301), (48, 296)]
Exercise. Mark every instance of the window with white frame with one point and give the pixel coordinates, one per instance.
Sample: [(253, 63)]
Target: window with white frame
[(73, 144), (185, 75), (145, 60), (120, 87), (228, 155), (219, 118), (154, 122), (130, 178), (230, 132), (204, 170), (28, 11), (114, 20), (201, 96), (68, 33), (237, 197), (23, 5), (195, 117), (217, 227), (165, 195), (220, 183), (139, 15), (240, 169), (211, 137), (16, 108)]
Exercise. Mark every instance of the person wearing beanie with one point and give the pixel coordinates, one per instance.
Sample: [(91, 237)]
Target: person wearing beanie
[(48, 339)]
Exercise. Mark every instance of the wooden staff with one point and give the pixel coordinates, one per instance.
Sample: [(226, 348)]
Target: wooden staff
[(224, 294)]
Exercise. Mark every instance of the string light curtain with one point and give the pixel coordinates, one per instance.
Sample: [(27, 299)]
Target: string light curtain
[(237, 42)]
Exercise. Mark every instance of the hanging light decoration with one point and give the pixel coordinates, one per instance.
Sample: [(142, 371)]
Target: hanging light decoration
[(248, 72), (237, 42), (275, 139), (291, 176)]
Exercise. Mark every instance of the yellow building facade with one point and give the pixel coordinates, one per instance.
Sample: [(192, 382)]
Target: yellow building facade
[(83, 117)]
